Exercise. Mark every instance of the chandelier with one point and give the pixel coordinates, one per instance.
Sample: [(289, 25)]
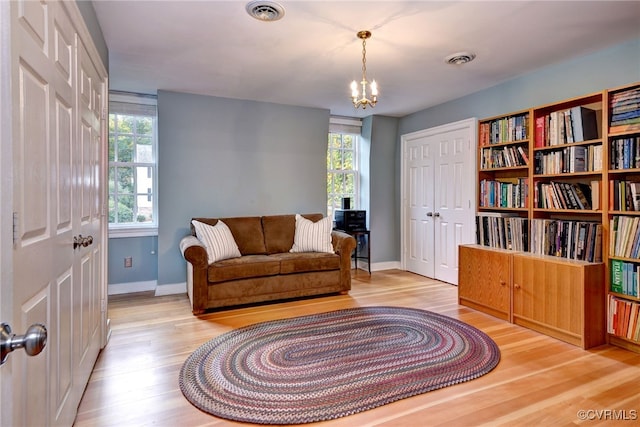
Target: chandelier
[(363, 101)]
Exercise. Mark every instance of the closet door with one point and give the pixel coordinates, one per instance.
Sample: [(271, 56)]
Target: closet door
[(57, 96), (420, 209), (437, 186)]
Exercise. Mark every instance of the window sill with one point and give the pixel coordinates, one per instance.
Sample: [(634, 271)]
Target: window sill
[(121, 232)]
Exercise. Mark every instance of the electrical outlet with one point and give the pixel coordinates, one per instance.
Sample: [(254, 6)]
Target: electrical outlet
[(128, 262)]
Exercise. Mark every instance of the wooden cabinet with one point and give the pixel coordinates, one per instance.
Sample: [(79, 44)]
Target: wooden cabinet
[(561, 298), (484, 280)]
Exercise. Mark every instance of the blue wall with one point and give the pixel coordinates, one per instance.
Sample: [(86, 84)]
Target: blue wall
[(222, 157), (226, 157), (380, 133), (143, 251), (613, 67)]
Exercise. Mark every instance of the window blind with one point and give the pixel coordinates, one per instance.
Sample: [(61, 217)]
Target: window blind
[(132, 104), (345, 125)]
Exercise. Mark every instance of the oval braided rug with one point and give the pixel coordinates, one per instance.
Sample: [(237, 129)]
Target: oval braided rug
[(330, 365)]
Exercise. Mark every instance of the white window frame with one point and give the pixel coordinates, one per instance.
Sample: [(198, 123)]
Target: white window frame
[(346, 126), (149, 229)]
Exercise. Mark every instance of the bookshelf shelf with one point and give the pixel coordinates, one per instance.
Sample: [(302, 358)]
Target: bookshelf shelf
[(497, 208), (523, 167), (569, 211), (625, 296), (623, 171), (568, 144), (505, 143), (627, 213), (565, 175)]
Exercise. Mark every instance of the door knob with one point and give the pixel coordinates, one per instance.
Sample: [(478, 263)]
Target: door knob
[(436, 214), (429, 213), (82, 241), (33, 341)]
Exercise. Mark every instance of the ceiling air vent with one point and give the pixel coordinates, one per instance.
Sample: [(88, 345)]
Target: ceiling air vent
[(460, 58), (265, 10)]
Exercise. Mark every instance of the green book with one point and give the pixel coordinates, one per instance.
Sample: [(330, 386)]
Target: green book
[(616, 276)]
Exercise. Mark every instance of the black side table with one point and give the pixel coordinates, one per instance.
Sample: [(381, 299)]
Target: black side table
[(361, 235)]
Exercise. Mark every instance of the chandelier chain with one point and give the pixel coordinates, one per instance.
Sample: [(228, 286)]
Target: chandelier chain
[(364, 59)]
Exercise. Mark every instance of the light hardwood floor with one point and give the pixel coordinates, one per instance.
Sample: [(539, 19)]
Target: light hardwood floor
[(539, 381)]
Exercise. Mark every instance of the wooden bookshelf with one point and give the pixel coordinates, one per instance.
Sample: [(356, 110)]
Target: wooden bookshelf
[(503, 186), (623, 216), (581, 175)]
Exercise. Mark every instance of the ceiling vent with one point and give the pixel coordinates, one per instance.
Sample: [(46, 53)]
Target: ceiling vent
[(265, 10), (460, 58)]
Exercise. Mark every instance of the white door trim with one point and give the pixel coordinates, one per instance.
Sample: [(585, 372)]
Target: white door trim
[(406, 139)]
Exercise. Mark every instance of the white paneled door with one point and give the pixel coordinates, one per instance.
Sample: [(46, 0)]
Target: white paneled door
[(57, 94), (438, 211)]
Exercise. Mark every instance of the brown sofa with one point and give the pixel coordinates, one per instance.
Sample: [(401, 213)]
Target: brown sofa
[(266, 271)]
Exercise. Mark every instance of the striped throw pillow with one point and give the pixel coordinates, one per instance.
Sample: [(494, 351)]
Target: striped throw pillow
[(217, 239), (312, 236)]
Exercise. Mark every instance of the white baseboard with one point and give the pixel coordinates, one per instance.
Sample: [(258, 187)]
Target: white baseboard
[(389, 265), (376, 266), (171, 289), (131, 287)]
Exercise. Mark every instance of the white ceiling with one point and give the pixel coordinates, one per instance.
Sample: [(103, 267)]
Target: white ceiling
[(309, 57)]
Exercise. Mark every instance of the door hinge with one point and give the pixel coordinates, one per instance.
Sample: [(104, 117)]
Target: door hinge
[(103, 305), (104, 113), (15, 227)]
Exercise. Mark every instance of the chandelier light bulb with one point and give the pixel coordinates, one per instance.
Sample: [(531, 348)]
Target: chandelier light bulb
[(374, 88)]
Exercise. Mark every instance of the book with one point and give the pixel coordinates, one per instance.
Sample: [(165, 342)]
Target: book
[(540, 132), (633, 318), (583, 192), (584, 124), (523, 155), (597, 244), (595, 195), (616, 276), (635, 195)]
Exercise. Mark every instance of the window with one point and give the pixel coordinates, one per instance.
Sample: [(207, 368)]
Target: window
[(342, 171), (132, 165)]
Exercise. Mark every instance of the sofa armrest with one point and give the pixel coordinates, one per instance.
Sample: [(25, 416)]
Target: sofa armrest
[(194, 251), (343, 243)]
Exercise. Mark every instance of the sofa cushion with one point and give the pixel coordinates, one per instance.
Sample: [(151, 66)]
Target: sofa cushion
[(279, 231), (245, 267), (217, 239), (307, 261), (247, 232), (312, 236)]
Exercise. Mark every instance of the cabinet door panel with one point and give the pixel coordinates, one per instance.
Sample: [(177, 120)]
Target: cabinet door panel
[(484, 280), (548, 292), (560, 298)]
